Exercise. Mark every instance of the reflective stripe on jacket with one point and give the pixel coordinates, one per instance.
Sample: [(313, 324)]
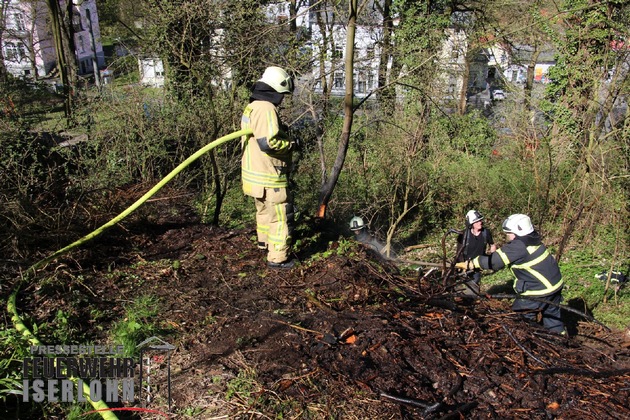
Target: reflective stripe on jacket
[(261, 166), (535, 270)]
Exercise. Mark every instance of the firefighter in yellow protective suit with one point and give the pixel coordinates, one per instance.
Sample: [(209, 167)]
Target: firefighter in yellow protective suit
[(266, 166)]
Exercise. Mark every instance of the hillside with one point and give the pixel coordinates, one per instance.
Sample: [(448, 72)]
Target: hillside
[(340, 336)]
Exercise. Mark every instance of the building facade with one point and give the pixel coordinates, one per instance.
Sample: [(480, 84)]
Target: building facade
[(27, 40)]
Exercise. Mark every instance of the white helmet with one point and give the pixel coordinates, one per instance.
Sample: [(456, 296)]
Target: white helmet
[(518, 224), (473, 216), (356, 223), (278, 79)]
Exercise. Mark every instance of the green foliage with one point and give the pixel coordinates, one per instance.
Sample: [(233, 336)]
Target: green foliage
[(612, 306), (138, 323), (29, 166), (343, 247), (125, 70), (14, 347), (243, 386), (78, 411), (470, 133), (63, 330), (422, 27)]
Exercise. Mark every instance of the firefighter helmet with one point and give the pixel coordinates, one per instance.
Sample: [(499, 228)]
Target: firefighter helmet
[(518, 224), (356, 223), (473, 216), (278, 79)]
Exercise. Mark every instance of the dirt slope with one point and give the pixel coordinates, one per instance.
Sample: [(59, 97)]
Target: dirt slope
[(339, 337)]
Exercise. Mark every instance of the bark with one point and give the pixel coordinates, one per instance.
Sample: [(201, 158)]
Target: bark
[(529, 83), (3, 69), (461, 100), (388, 96), (63, 39), (329, 184)]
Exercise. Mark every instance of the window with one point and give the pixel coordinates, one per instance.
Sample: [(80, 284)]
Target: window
[(370, 82), (83, 66), (21, 51), (338, 53), (14, 52), (338, 81), (369, 53), (76, 20), (20, 24), (80, 43), (10, 51)]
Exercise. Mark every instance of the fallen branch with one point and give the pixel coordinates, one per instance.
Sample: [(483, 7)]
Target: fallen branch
[(405, 400), (584, 372), (419, 246), (523, 348), (455, 411), (424, 263)]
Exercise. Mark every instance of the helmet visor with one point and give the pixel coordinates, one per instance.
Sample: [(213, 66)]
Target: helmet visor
[(287, 83)]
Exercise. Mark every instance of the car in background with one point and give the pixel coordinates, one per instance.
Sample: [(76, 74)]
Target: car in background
[(498, 95)]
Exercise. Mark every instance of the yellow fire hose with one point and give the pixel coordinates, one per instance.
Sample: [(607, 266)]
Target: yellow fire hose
[(100, 406)]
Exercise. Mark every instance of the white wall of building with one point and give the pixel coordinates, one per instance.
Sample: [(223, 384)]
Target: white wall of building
[(28, 45), (151, 72)]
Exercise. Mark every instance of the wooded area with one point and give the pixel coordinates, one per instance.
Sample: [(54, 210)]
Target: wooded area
[(411, 156)]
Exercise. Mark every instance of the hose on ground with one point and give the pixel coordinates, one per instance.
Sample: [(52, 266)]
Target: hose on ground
[(100, 406)]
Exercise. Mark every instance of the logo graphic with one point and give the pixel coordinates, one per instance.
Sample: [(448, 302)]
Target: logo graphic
[(76, 373)]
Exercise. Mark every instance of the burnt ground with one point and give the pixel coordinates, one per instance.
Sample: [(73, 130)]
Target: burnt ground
[(340, 336)]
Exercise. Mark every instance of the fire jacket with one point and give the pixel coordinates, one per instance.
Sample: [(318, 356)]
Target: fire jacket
[(535, 270), (264, 165)]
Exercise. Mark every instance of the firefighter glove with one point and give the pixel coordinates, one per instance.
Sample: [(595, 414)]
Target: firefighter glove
[(465, 265), (279, 145)]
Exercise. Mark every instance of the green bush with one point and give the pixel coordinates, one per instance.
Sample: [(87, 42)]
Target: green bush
[(137, 324)]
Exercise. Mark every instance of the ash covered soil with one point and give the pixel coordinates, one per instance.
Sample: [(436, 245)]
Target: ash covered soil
[(346, 336)]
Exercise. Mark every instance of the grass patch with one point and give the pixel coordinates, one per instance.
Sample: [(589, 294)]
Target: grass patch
[(611, 307), (138, 323)]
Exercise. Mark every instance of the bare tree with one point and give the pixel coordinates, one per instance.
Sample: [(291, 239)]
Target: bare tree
[(329, 183), (3, 20), (63, 37)]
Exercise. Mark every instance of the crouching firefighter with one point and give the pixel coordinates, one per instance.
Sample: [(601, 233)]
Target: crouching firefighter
[(266, 165), (536, 272)]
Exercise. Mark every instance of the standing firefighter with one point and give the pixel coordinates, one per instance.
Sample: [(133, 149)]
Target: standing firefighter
[(536, 271), (266, 165), (473, 242)]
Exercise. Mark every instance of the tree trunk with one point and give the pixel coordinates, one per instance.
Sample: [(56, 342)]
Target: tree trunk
[(329, 184), (529, 83), (67, 31), (3, 13), (461, 100), (388, 95), (56, 25)]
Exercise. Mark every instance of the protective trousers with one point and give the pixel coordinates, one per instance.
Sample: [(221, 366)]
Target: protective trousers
[(550, 311), (274, 223)]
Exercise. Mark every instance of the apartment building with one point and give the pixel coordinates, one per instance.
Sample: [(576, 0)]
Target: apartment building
[(27, 40)]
